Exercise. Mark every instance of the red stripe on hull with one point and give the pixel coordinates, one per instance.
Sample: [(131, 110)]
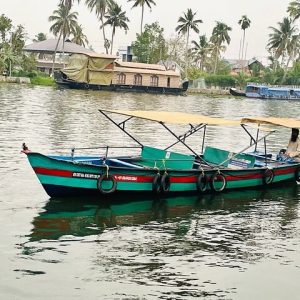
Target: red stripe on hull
[(70, 174), (60, 173), (173, 179), (183, 179)]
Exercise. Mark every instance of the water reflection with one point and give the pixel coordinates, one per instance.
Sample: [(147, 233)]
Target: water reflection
[(81, 217)]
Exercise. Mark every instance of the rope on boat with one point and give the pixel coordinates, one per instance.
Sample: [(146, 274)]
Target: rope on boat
[(164, 164), (107, 169), (156, 168)]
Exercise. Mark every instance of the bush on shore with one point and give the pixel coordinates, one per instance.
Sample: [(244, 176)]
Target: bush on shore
[(42, 81)]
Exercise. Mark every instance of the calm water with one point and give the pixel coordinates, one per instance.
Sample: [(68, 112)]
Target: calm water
[(238, 245)]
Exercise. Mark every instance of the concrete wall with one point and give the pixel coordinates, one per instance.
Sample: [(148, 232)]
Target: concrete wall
[(14, 79)]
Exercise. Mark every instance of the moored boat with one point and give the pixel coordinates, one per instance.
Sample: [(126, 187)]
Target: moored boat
[(156, 170), (238, 93), (105, 72), (261, 91)]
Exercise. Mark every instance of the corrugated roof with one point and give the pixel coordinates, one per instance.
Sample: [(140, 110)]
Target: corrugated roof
[(49, 46), (140, 65)]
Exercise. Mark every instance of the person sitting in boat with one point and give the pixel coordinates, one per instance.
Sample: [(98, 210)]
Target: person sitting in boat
[(292, 153)]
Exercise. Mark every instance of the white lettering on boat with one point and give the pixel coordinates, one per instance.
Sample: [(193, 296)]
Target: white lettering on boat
[(96, 176), (85, 175), (126, 178)]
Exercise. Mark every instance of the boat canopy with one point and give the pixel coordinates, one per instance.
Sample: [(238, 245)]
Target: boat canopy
[(91, 69), (174, 117), (285, 122)]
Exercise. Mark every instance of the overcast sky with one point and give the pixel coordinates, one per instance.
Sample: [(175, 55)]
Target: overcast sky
[(33, 15)]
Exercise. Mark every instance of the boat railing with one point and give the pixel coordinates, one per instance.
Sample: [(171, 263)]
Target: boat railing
[(106, 148), (273, 85)]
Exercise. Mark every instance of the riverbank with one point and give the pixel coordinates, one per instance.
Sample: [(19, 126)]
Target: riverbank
[(47, 81), (211, 92), (12, 79), (38, 80)]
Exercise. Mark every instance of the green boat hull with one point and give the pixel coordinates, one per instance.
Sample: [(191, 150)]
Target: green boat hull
[(65, 177)]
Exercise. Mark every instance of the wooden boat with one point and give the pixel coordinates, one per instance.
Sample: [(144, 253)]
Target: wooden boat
[(237, 93), (105, 72), (162, 170), (255, 90)]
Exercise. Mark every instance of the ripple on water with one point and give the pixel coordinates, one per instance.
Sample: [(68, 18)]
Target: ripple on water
[(186, 247)]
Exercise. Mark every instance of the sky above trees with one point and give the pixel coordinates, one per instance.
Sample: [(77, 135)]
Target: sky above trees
[(262, 13)]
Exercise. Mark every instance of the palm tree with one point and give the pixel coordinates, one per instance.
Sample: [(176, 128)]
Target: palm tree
[(219, 36), (187, 23), (294, 9), (245, 23), (201, 50), (100, 7), (68, 3), (65, 23), (284, 41), (142, 4), (281, 37), (9, 58), (79, 37), (116, 18)]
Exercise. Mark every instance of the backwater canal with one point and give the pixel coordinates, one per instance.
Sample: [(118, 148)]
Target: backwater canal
[(237, 245)]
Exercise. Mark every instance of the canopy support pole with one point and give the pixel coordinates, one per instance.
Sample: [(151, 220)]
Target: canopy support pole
[(191, 131), (256, 142), (122, 126), (180, 140), (252, 139)]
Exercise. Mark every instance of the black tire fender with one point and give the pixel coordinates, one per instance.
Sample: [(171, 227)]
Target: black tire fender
[(156, 183), (202, 182), (213, 179), (268, 176), (106, 178), (165, 183), (297, 175)]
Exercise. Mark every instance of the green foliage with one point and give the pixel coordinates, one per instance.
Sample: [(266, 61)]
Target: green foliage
[(195, 73), (47, 81), (272, 76), (11, 45), (150, 46), (28, 63), (5, 27), (223, 68), (40, 37), (241, 80), (256, 69), (220, 80), (293, 76)]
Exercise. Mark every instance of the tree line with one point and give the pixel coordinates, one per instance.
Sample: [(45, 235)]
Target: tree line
[(200, 57)]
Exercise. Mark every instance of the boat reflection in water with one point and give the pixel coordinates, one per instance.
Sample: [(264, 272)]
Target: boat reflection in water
[(83, 217)]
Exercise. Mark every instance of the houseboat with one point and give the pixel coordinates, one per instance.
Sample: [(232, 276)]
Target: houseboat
[(106, 72), (261, 91)]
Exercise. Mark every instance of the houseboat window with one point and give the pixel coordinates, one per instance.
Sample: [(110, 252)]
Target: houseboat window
[(121, 78), (168, 81), (137, 79), (154, 80)]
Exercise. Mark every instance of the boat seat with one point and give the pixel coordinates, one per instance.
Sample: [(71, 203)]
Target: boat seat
[(162, 159), (218, 156)]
